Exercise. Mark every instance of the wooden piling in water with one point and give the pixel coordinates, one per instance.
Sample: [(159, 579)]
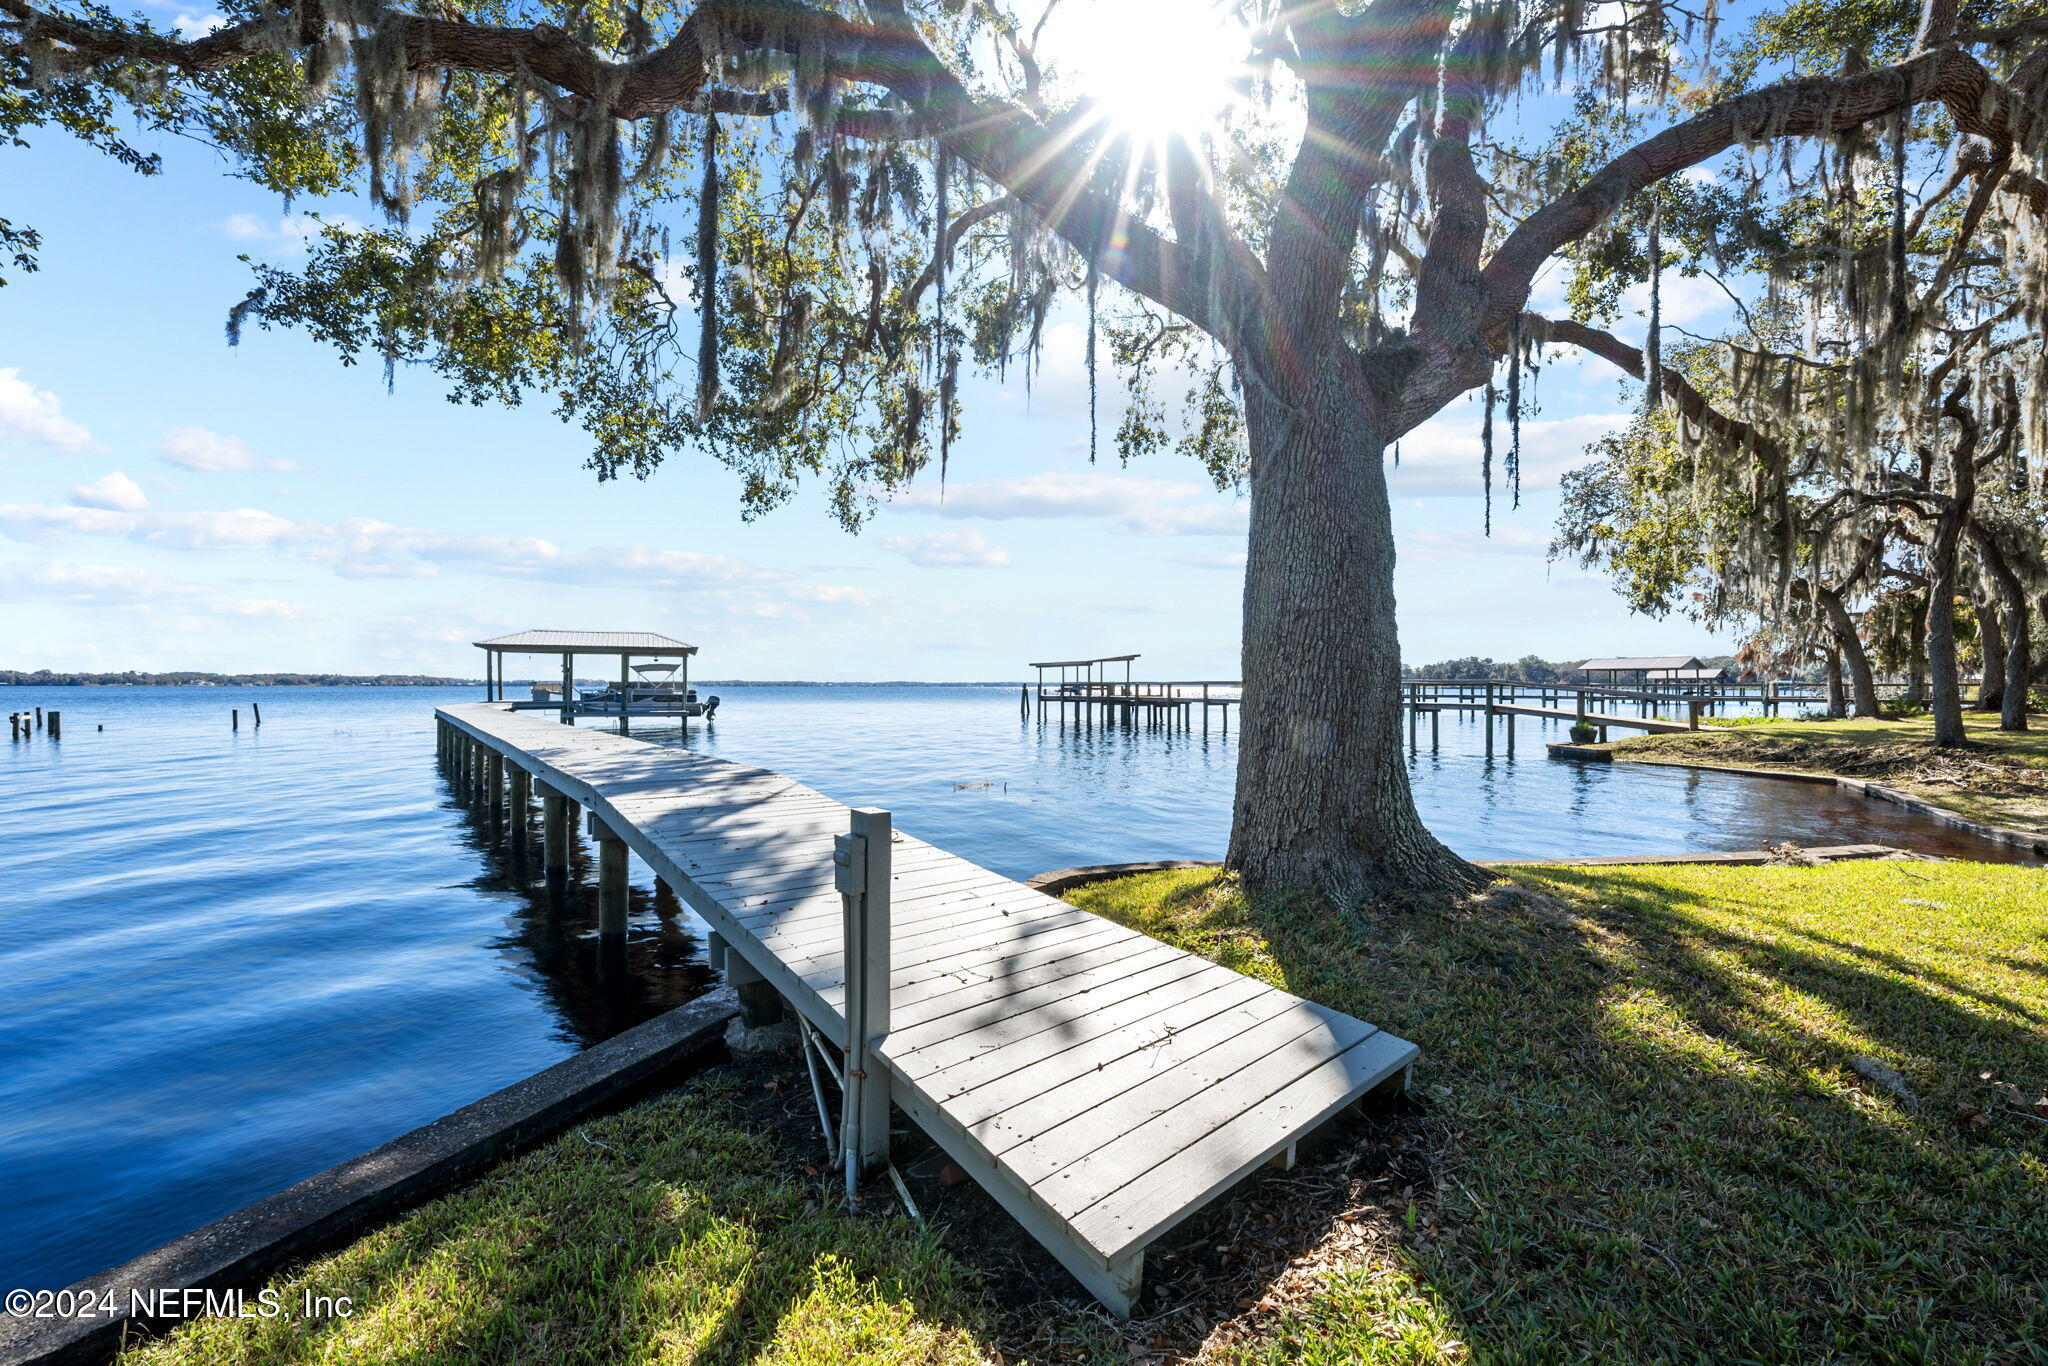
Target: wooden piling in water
[(494, 782), (554, 833), (612, 886), (256, 711), (234, 718)]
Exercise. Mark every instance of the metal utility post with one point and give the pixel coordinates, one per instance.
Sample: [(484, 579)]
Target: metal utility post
[(860, 865)]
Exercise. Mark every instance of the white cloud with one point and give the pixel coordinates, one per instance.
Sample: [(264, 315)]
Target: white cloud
[(1681, 299), (191, 26), (1193, 519), (207, 452), (1507, 538), (270, 608), (1234, 560), (292, 234), (1442, 457), (1048, 495), (949, 550), (114, 491), (37, 415), (92, 584), (365, 548)]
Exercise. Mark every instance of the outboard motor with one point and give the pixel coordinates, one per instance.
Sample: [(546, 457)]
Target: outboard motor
[(711, 707)]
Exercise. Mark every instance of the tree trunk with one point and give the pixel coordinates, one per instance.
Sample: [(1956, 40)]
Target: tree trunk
[(1916, 658), (1323, 802), (2018, 656), (1945, 693), (1837, 708), (1862, 683), (1991, 648)]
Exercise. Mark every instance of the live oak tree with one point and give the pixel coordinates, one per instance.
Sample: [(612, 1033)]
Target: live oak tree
[(777, 232), (1873, 418)]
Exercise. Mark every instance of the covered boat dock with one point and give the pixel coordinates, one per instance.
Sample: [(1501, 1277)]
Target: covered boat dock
[(630, 697)]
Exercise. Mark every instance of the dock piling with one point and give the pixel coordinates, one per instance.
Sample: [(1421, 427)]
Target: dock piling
[(234, 718), (56, 725), (554, 834), (611, 878)]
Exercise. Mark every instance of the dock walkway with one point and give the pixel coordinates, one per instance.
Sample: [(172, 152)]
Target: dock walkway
[(1097, 1083)]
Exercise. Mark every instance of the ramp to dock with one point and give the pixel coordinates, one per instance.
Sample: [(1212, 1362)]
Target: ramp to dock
[(1099, 1084)]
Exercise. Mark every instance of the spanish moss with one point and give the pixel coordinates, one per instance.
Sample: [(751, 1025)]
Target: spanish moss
[(707, 275)]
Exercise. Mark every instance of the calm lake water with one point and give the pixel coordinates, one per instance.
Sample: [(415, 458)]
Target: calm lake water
[(230, 959)]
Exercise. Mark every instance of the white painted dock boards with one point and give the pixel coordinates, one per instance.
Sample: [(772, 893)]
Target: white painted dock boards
[(1099, 1084)]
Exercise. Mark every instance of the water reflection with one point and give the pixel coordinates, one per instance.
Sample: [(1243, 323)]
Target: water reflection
[(594, 985)]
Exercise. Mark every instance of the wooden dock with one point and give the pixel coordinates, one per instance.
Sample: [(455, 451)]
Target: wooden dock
[(1099, 1084)]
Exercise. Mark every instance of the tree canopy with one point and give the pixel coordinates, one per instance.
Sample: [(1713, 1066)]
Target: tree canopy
[(780, 231)]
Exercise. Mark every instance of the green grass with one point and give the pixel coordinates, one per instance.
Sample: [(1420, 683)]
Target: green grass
[(2000, 779), (1650, 1137), (1643, 1138), (661, 1234)]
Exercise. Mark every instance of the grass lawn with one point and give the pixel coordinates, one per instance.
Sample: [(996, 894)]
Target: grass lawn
[(1656, 1121), (2000, 779)]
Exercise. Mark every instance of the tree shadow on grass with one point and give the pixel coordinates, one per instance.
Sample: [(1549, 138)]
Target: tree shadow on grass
[(1652, 1137)]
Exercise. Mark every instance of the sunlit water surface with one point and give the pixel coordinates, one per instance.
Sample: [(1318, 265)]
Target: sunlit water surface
[(229, 959)]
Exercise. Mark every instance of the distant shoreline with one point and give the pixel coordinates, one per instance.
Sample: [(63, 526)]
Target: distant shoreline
[(47, 679)]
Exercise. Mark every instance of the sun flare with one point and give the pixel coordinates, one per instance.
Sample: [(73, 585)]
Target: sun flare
[(1153, 68)]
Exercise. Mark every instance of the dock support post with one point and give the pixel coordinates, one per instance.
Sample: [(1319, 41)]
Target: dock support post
[(568, 690), (494, 782), (611, 879), (522, 803), (554, 836), (56, 725), (860, 860), (625, 693), (1489, 720)]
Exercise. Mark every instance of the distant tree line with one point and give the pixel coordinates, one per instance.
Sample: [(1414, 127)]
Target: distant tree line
[(133, 679), (1527, 669)]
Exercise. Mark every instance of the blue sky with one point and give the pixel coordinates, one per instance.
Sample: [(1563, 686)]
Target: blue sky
[(172, 503)]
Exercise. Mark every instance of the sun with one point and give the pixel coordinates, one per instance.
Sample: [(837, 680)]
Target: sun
[(1152, 68)]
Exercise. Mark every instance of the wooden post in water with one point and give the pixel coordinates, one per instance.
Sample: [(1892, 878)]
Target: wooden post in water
[(625, 693), (554, 834), (234, 718), (522, 802), (39, 718), (256, 710), (1489, 720), (494, 782), (568, 689), (611, 878), (56, 725), (860, 865)]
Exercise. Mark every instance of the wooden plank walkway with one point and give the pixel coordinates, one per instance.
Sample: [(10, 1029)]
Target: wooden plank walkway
[(1099, 1084)]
